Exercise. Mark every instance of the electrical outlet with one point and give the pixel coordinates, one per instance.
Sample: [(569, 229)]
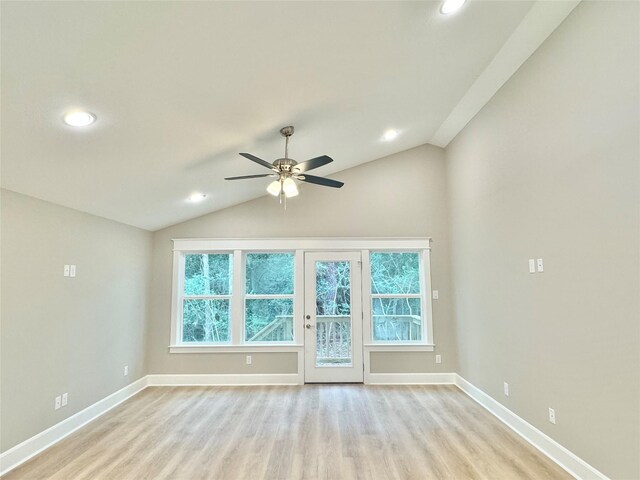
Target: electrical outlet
[(57, 403), (72, 270), (532, 265), (249, 360), (65, 272), (65, 399), (552, 415), (506, 389), (435, 294), (540, 265), (126, 370), (438, 358)]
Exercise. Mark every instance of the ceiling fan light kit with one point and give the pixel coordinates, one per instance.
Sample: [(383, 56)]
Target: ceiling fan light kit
[(287, 170)]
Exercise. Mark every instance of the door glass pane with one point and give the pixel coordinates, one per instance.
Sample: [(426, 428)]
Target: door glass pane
[(333, 314)]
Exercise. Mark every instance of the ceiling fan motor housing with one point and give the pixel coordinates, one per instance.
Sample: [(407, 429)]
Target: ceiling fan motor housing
[(285, 164)]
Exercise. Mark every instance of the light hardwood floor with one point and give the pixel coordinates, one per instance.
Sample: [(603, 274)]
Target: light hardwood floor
[(311, 431)]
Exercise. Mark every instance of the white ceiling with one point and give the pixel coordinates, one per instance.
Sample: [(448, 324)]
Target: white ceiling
[(180, 87)]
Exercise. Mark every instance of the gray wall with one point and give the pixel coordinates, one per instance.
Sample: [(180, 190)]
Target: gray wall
[(550, 169), (67, 334), (402, 195)]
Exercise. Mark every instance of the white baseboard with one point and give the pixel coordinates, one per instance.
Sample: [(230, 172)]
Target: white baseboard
[(556, 452), (411, 379), (552, 449), (29, 448), (225, 379)]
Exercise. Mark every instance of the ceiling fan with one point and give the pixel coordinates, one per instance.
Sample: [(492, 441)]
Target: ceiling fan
[(286, 170)]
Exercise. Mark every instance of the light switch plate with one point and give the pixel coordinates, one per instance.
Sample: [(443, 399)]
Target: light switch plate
[(72, 270), (65, 399), (532, 265), (66, 271), (435, 294), (58, 403), (540, 265)]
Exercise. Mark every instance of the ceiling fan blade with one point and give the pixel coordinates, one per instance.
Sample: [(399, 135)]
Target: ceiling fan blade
[(259, 161), (325, 182), (251, 176), (313, 163)]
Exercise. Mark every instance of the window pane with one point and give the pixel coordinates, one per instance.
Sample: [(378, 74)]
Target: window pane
[(205, 320), (269, 274), (269, 320), (396, 319), (395, 272), (208, 274)]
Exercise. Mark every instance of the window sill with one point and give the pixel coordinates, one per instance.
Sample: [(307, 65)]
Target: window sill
[(399, 347), (283, 348)]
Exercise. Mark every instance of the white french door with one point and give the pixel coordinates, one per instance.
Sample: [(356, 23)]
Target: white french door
[(333, 317)]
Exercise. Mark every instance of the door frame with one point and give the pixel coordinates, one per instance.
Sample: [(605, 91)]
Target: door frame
[(338, 374)]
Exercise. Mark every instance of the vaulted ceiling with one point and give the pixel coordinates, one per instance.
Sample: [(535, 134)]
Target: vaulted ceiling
[(179, 88)]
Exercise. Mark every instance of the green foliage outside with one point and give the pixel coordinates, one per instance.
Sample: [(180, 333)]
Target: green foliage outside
[(207, 320), (395, 319), (269, 274)]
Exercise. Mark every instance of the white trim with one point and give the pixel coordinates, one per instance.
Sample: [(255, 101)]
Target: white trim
[(176, 293), (427, 302), (236, 300), (301, 243), (398, 347), (29, 448), (298, 302), (411, 379), (225, 379), (552, 449), (246, 348), (540, 22)]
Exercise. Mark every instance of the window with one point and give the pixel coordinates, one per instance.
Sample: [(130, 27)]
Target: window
[(244, 295), (206, 298), (396, 298), (268, 314)]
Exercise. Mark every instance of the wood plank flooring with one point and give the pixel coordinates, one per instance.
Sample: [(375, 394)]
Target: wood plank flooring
[(293, 432)]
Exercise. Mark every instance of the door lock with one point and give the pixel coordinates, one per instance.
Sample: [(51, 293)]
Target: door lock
[(308, 325), (308, 317)]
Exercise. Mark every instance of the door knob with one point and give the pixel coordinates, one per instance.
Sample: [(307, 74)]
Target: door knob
[(308, 325)]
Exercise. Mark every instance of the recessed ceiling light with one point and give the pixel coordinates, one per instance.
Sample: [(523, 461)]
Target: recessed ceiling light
[(450, 6), (390, 135), (197, 197), (79, 118)]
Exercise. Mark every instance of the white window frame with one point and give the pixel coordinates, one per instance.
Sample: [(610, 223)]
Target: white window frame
[(181, 297), (426, 332), (240, 247), (246, 296)]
